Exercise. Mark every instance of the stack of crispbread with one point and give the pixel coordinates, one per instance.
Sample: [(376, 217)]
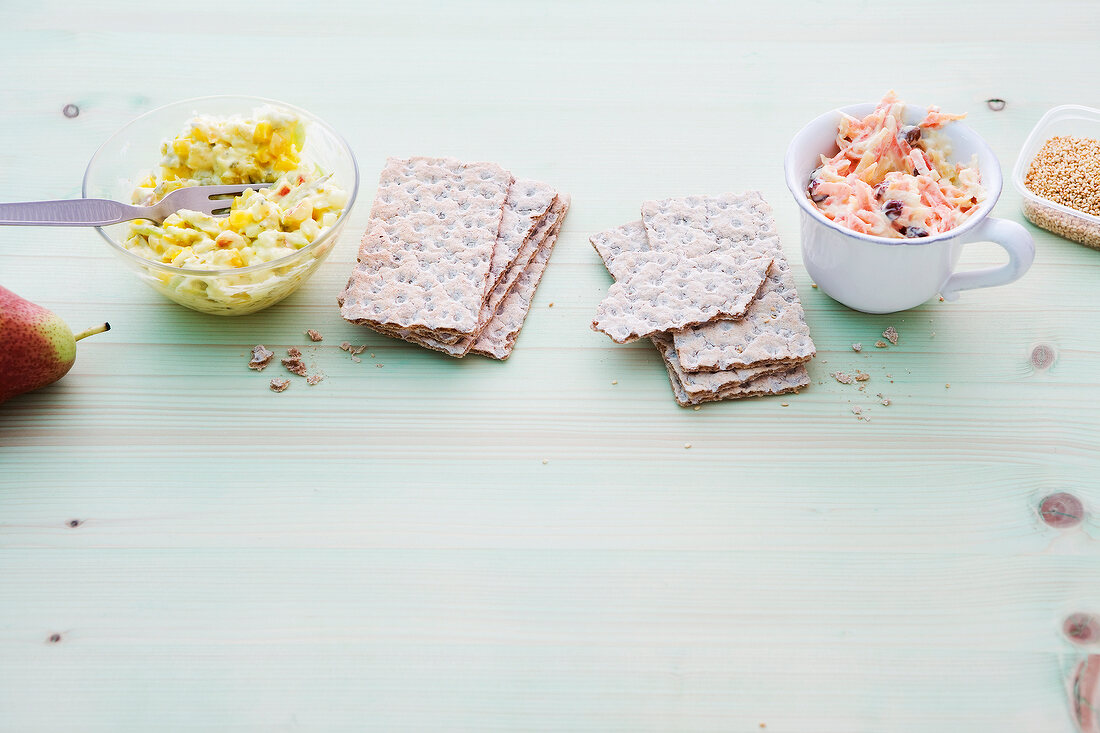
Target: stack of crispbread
[(453, 254), (705, 279)]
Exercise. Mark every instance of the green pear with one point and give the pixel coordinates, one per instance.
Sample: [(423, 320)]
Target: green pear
[(36, 347)]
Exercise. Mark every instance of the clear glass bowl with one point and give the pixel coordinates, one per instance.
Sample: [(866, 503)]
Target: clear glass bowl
[(1068, 119), (134, 151)]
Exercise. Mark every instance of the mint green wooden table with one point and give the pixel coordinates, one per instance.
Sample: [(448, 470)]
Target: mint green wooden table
[(425, 544)]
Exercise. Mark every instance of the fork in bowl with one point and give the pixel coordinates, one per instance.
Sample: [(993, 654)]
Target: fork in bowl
[(102, 212)]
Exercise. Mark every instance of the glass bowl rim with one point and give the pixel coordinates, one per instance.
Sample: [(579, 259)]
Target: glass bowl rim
[(309, 117)]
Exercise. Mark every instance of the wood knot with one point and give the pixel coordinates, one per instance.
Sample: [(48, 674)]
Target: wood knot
[(1081, 628), (1061, 510), (996, 104), (1042, 356), (70, 110), (75, 522), (54, 638)]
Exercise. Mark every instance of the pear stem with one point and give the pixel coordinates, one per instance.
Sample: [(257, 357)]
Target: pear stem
[(92, 331)]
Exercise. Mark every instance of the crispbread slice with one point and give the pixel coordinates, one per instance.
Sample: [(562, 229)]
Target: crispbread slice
[(773, 331), (497, 340), (528, 203), (772, 383), (704, 261), (700, 384), (610, 244), (547, 227), (425, 259), (688, 387), (669, 291)]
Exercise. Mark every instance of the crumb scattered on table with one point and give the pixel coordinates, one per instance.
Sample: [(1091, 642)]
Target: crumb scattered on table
[(278, 384), (313, 335), (261, 357), (880, 344), (842, 377), (891, 335), (313, 379), (294, 363), (614, 381), (687, 445), (862, 376), (857, 346)]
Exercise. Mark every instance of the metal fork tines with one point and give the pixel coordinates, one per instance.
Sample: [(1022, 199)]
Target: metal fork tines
[(102, 212)]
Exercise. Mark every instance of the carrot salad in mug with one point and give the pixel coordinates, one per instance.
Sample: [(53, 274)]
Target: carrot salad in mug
[(895, 180)]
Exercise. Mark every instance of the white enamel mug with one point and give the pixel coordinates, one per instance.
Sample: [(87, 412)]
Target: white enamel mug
[(883, 275)]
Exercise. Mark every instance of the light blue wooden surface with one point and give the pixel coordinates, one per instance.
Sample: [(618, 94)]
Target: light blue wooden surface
[(441, 545)]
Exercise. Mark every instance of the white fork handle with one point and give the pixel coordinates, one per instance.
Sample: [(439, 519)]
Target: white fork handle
[(68, 213)]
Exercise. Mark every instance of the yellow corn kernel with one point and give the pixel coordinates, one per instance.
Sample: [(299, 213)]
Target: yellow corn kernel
[(182, 256), (285, 164), (239, 219), (235, 260), (262, 133), (149, 182), (199, 134), (181, 148), (171, 253)]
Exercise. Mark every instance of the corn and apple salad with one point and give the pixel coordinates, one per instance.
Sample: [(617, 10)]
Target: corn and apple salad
[(264, 224)]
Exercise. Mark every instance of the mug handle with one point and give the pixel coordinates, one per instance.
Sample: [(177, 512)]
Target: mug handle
[(1013, 238)]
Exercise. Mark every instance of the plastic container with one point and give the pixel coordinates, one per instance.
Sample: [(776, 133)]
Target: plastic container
[(1068, 119), (132, 151)]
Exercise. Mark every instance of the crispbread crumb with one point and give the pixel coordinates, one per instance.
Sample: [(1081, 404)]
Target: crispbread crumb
[(313, 335), (862, 376), (891, 335), (842, 377), (278, 384), (857, 346), (345, 345), (261, 357), (294, 363), (880, 344), (313, 379)]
